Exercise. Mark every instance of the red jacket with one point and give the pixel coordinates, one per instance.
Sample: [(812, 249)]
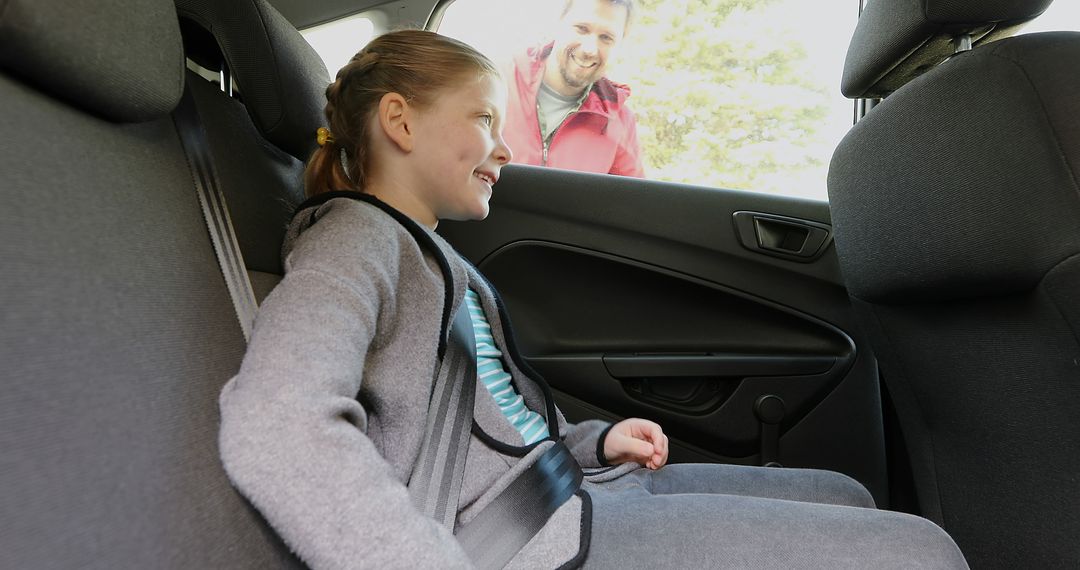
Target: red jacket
[(600, 137)]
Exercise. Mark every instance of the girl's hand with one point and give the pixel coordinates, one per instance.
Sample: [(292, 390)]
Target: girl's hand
[(637, 440)]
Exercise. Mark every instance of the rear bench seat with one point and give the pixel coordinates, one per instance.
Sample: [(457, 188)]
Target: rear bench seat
[(116, 329)]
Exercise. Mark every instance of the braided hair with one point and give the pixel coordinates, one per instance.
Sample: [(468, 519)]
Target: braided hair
[(413, 63)]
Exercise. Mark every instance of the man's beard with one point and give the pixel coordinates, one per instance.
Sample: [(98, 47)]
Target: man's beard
[(577, 81)]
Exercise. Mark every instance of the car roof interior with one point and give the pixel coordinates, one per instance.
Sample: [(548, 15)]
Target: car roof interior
[(308, 14)]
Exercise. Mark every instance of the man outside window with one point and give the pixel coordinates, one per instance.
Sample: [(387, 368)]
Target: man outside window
[(562, 111)]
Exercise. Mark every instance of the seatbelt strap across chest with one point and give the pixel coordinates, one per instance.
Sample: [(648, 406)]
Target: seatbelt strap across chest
[(503, 527), (436, 481)]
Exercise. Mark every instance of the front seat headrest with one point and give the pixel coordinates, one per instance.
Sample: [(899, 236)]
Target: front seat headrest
[(122, 61), (895, 41)]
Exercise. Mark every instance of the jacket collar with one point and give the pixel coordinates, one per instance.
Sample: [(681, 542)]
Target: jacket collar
[(455, 274)]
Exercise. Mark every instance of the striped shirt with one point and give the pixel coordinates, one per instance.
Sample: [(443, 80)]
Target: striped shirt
[(490, 369)]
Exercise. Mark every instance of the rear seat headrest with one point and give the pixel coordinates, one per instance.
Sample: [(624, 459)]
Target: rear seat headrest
[(281, 79), (122, 61), (895, 41)]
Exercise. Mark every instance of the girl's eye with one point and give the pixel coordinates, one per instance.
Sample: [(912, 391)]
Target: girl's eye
[(486, 119)]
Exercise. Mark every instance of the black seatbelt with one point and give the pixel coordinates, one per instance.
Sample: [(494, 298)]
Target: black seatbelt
[(504, 526), (215, 213), (507, 524), (435, 485)]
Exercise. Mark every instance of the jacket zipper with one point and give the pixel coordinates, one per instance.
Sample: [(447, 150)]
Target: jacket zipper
[(546, 142)]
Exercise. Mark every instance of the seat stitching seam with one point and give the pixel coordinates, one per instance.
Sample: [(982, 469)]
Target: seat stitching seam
[(1053, 298)]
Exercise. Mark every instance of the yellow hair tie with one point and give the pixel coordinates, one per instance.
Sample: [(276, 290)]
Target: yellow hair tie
[(323, 136)]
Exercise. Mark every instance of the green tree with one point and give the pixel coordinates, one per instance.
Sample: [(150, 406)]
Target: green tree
[(723, 97)]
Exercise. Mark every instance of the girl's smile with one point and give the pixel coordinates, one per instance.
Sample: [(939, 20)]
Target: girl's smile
[(459, 149)]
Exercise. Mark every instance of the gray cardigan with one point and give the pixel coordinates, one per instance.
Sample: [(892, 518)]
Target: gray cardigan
[(321, 427)]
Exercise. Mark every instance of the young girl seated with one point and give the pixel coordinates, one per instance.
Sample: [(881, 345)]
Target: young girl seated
[(323, 427)]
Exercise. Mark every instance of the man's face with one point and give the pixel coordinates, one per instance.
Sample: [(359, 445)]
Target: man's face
[(587, 36)]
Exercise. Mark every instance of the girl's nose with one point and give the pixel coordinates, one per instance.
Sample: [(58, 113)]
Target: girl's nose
[(502, 152)]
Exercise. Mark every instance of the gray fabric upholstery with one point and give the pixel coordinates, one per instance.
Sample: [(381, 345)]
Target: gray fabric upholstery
[(259, 142), (262, 283), (117, 332), (116, 335), (632, 528), (959, 239), (973, 191), (262, 184), (120, 60), (280, 77), (987, 393), (805, 485), (897, 40)]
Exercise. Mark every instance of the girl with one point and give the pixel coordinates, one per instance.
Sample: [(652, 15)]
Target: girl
[(324, 424)]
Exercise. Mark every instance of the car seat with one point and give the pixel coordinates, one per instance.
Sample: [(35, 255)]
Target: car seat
[(117, 331), (956, 213)]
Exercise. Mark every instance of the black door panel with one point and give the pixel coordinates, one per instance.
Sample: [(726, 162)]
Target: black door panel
[(647, 341), (638, 298)]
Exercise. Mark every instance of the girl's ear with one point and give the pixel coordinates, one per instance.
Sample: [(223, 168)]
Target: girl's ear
[(395, 116)]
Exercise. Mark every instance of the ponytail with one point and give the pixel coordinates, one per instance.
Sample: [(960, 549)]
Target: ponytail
[(324, 172)]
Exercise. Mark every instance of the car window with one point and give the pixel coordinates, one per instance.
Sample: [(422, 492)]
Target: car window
[(337, 41), (726, 93), (738, 94), (1060, 16)]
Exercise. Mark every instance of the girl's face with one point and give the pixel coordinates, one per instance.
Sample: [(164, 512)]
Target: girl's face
[(460, 150)]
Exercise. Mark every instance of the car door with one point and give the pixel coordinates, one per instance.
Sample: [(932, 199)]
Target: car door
[(719, 314)]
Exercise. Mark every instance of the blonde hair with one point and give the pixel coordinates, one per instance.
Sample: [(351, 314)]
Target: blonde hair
[(416, 64)]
